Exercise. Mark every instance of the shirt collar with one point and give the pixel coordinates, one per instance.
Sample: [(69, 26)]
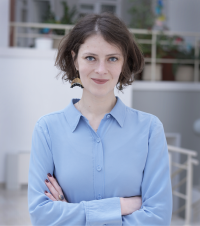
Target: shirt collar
[(73, 115)]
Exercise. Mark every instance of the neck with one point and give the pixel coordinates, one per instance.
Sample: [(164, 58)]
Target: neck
[(94, 106)]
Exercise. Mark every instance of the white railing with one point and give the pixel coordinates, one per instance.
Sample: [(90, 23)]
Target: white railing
[(155, 60), (153, 42), (188, 166)]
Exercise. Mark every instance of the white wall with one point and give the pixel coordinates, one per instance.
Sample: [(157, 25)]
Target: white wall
[(28, 90), (4, 23), (183, 15)]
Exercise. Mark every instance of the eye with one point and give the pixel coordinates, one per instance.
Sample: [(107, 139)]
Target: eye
[(90, 58), (113, 59)]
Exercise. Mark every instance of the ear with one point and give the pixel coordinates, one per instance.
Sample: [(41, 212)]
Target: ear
[(73, 54), (75, 62)]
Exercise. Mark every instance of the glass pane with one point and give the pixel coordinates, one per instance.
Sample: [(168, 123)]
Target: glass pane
[(108, 8), (86, 6)]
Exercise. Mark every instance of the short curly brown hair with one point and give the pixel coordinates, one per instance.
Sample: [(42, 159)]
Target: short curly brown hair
[(114, 31)]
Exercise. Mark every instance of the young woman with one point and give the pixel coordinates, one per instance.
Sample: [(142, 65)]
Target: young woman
[(99, 162)]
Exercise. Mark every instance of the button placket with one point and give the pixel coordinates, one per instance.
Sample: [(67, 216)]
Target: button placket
[(99, 196), (98, 169), (98, 140)]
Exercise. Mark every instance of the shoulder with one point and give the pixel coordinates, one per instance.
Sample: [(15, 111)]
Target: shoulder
[(146, 123), (143, 117), (51, 118)]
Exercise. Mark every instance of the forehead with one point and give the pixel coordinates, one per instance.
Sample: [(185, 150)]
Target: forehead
[(97, 44)]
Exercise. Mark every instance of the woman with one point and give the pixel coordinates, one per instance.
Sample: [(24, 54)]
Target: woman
[(99, 162)]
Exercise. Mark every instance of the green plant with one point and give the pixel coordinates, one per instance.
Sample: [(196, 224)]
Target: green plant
[(169, 49), (50, 16), (184, 54), (173, 51), (142, 17), (141, 13), (69, 14), (145, 48), (68, 17)]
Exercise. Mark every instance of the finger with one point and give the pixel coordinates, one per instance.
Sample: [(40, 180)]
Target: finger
[(49, 195), (55, 185), (60, 188), (52, 189)]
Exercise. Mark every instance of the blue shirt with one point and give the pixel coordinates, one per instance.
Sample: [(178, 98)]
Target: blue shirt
[(127, 156)]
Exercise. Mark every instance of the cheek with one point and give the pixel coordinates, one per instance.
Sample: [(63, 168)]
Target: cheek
[(85, 70), (116, 72)]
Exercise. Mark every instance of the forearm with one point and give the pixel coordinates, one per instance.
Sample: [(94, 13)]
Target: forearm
[(130, 204), (58, 213), (148, 216), (95, 212)]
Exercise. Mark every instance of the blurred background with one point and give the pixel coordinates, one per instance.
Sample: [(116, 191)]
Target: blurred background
[(168, 33)]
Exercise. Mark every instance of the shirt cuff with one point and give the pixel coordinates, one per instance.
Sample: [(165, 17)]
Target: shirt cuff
[(103, 212)]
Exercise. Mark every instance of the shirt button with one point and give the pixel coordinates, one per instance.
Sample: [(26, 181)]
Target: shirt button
[(108, 116), (99, 196), (97, 140), (99, 168)]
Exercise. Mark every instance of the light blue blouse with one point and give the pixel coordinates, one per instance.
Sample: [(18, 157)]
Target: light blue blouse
[(127, 156)]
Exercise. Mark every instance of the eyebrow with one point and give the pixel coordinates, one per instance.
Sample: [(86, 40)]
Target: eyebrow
[(106, 55)]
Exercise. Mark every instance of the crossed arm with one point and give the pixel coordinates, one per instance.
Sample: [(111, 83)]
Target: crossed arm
[(128, 205), (156, 208)]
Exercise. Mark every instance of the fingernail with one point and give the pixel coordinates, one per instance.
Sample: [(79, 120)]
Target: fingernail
[(49, 175), (47, 181), (46, 191)]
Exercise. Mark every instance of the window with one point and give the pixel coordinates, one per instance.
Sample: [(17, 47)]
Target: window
[(87, 7), (108, 8)]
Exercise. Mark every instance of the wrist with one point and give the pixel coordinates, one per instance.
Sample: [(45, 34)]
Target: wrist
[(122, 206)]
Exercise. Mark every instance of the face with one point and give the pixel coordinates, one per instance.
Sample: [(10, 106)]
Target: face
[(99, 64)]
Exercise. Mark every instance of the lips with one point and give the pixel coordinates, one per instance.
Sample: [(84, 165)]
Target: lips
[(99, 81)]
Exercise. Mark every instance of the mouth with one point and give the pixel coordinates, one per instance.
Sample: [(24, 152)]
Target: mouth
[(100, 81)]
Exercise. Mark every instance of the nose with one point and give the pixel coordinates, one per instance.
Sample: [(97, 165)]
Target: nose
[(101, 68)]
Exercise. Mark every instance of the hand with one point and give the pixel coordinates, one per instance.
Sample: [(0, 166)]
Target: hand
[(130, 204), (54, 188)]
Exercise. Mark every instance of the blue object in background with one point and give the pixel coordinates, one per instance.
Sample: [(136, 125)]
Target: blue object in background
[(45, 30), (160, 3), (188, 47), (158, 10)]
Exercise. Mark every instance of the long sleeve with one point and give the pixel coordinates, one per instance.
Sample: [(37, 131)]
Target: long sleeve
[(44, 211), (156, 185)]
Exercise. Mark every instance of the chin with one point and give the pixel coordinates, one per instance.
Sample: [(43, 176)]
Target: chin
[(101, 92)]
